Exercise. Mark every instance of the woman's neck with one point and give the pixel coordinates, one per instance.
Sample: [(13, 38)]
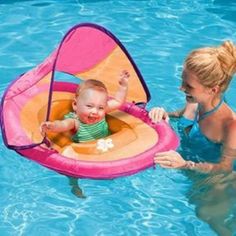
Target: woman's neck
[(205, 109), (209, 105)]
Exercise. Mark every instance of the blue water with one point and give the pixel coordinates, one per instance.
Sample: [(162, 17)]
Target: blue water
[(158, 34)]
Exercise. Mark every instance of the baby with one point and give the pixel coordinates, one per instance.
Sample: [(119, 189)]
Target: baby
[(87, 121), (90, 106)]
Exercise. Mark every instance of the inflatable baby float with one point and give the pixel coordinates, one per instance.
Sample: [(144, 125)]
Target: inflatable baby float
[(87, 51)]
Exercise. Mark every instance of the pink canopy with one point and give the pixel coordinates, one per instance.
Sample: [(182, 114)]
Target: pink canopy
[(87, 51)]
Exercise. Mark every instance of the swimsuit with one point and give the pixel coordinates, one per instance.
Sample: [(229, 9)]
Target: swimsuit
[(88, 132), (194, 139)]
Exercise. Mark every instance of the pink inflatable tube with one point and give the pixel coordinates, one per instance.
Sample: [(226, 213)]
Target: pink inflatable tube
[(86, 51), (108, 169)]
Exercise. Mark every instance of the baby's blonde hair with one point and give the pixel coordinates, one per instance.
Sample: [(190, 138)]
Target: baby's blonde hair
[(91, 84), (213, 65)]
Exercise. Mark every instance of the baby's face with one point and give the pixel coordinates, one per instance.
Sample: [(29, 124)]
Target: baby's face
[(90, 106)]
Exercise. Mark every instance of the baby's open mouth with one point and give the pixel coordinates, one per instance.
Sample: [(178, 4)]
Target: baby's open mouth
[(92, 119)]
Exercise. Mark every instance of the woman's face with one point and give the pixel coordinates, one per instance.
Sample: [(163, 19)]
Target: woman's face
[(195, 92), (90, 106)]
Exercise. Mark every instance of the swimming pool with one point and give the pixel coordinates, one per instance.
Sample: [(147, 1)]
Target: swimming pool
[(158, 35)]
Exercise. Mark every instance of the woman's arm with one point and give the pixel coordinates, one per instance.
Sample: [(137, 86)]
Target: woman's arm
[(158, 113), (224, 166), (176, 114), (172, 159), (229, 147)]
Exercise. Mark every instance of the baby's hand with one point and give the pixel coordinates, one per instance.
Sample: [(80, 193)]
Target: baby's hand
[(123, 81), (46, 126)]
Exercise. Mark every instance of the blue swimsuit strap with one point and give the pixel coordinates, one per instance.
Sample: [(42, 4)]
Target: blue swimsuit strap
[(204, 115)]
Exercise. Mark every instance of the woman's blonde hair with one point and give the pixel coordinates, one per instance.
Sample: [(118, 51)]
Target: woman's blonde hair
[(91, 84), (213, 65)]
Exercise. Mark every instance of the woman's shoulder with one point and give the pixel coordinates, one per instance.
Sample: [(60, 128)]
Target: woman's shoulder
[(230, 124), (228, 117), (230, 131)]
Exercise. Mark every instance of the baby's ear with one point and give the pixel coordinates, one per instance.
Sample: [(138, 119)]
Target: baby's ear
[(74, 104)]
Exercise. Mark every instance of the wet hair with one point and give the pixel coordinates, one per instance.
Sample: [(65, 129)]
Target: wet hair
[(213, 65), (91, 84)]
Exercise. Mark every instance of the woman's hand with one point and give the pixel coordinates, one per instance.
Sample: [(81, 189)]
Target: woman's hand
[(157, 114), (170, 159)]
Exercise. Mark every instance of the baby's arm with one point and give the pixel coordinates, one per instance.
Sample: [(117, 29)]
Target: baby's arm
[(120, 95), (57, 126)]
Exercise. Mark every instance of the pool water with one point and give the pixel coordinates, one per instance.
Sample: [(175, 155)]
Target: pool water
[(158, 35)]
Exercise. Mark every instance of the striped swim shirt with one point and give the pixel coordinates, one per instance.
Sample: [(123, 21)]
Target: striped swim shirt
[(88, 132)]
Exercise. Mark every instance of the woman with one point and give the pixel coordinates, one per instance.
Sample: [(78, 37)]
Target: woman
[(208, 141), (206, 75)]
